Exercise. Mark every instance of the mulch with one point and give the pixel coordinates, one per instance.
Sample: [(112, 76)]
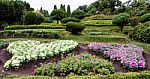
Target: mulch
[(30, 68)]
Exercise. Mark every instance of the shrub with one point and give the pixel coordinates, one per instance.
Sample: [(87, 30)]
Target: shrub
[(145, 18), (147, 23), (141, 33), (33, 27), (48, 20), (70, 19), (83, 64), (29, 33), (3, 45), (74, 28), (33, 18), (78, 14), (3, 25), (121, 20), (134, 21)]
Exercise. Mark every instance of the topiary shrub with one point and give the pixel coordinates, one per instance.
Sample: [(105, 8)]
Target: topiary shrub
[(141, 33), (145, 18), (80, 14), (74, 28), (70, 19), (84, 64), (134, 21), (33, 18), (121, 20)]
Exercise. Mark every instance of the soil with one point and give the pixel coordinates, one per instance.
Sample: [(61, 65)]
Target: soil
[(29, 68)]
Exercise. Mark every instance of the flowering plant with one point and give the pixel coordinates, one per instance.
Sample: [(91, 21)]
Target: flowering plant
[(130, 56), (24, 51)]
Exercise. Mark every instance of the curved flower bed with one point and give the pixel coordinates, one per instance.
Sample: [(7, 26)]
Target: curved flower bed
[(24, 51), (130, 56)]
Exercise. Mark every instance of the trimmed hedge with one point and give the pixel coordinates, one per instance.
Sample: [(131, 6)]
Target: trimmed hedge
[(33, 27), (70, 19), (130, 75), (29, 33)]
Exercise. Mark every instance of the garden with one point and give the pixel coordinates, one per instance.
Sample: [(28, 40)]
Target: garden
[(96, 41)]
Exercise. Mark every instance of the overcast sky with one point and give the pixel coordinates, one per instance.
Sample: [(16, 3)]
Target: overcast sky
[(49, 4)]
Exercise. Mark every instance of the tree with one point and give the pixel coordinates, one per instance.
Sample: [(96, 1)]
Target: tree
[(58, 15), (78, 14), (33, 18), (84, 8), (68, 11), (55, 7), (121, 20)]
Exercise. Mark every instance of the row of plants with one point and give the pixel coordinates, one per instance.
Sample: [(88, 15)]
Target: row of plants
[(141, 33), (29, 33), (84, 64), (98, 22), (99, 33), (130, 56), (15, 27), (25, 51)]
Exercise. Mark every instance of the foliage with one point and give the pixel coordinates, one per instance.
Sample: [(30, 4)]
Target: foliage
[(15, 27), (147, 23), (134, 21), (58, 15), (68, 11), (141, 33), (121, 20), (48, 20), (70, 19), (74, 28), (29, 34), (145, 18), (3, 45), (80, 14), (83, 64), (130, 56), (99, 33), (25, 51), (3, 25), (33, 18), (99, 17), (13, 10), (98, 22)]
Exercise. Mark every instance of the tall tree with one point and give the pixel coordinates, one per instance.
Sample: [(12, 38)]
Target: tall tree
[(68, 11), (55, 7)]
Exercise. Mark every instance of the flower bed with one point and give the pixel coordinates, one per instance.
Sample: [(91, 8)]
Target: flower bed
[(24, 51), (130, 56)]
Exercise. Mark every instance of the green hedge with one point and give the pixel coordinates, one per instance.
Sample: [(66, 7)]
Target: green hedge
[(33, 27), (130, 75), (29, 33), (3, 45)]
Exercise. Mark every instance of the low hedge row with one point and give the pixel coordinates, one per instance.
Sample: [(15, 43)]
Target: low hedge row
[(33, 27), (28, 34), (130, 75)]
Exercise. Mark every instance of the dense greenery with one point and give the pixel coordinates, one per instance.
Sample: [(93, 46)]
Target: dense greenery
[(121, 20), (141, 33), (70, 19), (84, 64), (80, 14), (145, 18), (74, 27), (33, 18)]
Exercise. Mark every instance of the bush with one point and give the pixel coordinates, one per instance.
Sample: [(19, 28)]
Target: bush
[(74, 28), (134, 21), (29, 33), (33, 27), (3, 25), (145, 18), (141, 33), (84, 64), (3, 45), (78, 14), (121, 20), (147, 23), (33, 18), (48, 20), (70, 19)]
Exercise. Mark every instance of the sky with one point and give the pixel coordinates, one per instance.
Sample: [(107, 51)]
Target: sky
[(49, 4)]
